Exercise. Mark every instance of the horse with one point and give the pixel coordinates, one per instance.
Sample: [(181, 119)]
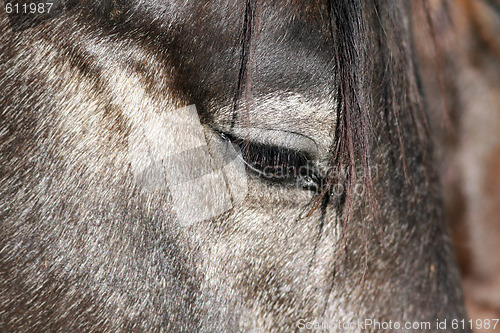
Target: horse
[(218, 166)]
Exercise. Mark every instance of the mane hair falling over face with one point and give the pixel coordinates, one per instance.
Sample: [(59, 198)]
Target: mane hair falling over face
[(378, 93), (376, 88)]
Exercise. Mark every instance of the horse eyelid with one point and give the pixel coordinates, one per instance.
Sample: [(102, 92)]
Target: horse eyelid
[(274, 162)]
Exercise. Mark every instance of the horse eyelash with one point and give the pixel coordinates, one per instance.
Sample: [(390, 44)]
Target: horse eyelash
[(277, 164)]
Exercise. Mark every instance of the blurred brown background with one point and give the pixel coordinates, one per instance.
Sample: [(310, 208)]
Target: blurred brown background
[(458, 42)]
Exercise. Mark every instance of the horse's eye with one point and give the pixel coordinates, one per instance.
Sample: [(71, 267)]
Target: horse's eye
[(277, 164)]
